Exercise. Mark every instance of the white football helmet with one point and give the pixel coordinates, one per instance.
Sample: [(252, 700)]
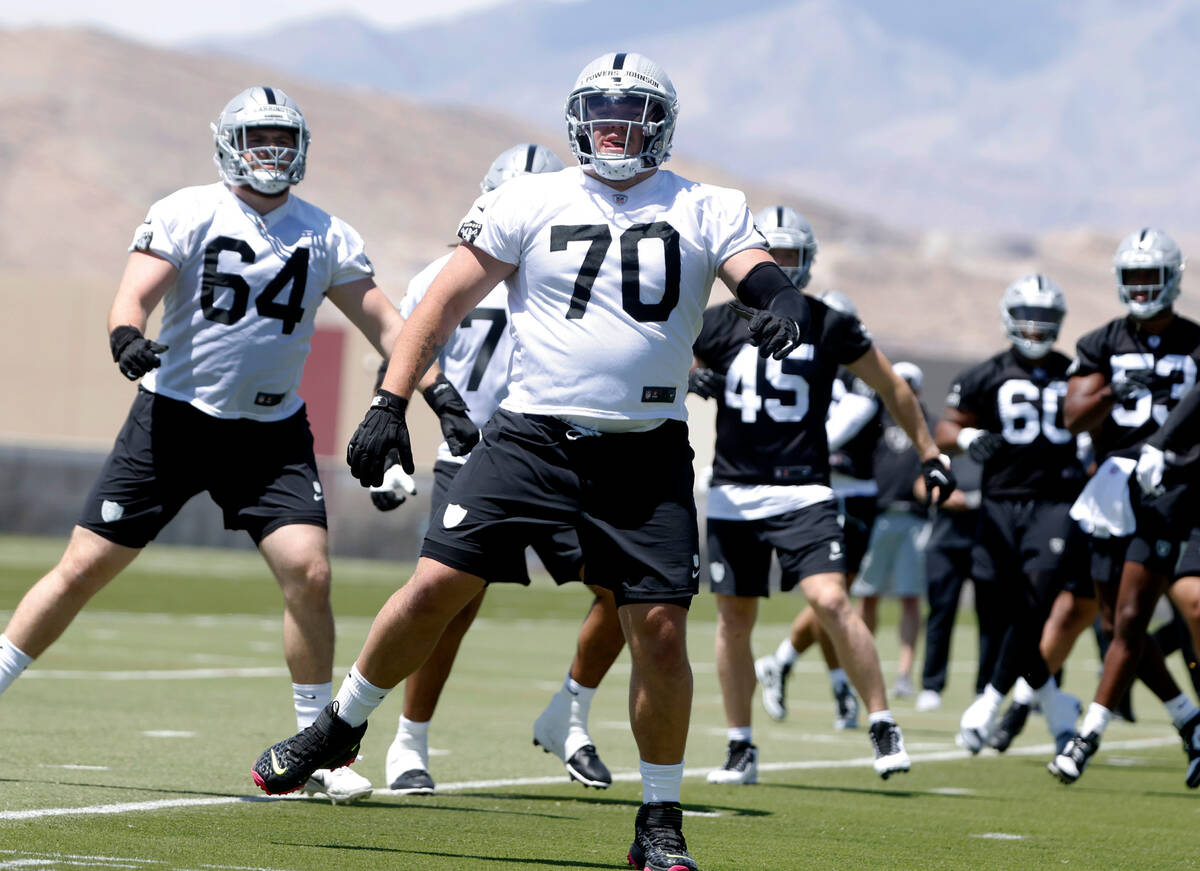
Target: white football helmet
[(519, 160), (786, 228), (1033, 308), (271, 169), (1148, 266), (622, 89), (838, 301)]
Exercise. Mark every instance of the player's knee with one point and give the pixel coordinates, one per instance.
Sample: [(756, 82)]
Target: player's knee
[(307, 580)]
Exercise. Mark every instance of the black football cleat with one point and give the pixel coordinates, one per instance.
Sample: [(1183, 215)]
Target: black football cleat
[(1009, 727), (658, 843), (330, 742), (586, 767)]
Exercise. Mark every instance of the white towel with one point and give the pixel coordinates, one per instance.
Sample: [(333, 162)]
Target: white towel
[(1103, 508)]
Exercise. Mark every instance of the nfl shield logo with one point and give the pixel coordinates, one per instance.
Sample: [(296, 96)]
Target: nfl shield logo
[(620, 199)]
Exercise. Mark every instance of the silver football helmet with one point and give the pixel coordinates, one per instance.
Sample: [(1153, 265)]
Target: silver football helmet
[(269, 169), (1033, 308), (786, 228), (838, 301), (1148, 266), (519, 160), (622, 90)]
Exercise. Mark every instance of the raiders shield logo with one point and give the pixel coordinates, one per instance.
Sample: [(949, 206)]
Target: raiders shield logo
[(469, 231)]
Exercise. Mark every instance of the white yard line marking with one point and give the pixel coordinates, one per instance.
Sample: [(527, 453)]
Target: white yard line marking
[(168, 733), (153, 674), (999, 836), (33, 860), (624, 776)]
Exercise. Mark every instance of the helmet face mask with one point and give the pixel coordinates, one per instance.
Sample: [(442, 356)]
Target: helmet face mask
[(269, 169), (518, 160), (1148, 267), (1032, 309), (631, 96), (786, 229)]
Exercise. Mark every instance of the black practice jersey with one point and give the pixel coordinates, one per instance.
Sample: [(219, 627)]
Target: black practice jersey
[(898, 465), (771, 417), (856, 457), (1119, 347), (1023, 401)]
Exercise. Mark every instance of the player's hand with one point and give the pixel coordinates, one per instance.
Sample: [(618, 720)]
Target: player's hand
[(706, 383), (134, 354), (937, 475), (380, 441), (458, 429), (984, 446), (774, 335), (396, 487), (1132, 382), (1151, 465)]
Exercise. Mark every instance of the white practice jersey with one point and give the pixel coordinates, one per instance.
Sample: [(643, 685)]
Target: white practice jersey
[(610, 286), (238, 323), (476, 356)]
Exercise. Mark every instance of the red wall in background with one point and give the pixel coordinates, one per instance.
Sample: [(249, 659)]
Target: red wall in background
[(321, 387)]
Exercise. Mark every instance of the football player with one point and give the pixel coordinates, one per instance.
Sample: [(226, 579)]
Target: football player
[(1006, 413), (240, 267), (771, 494), (1126, 378), (476, 362), (852, 429), (608, 266)]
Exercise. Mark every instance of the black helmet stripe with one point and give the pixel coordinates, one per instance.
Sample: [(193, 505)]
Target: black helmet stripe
[(529, 155), (779, 216), (270, 92), (619, 61)]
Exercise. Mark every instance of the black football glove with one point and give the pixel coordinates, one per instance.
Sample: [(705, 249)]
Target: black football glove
[(458, 429), (134, 354), (706, 383), (380, 441), (1133, 382), (984, 446), (395, 489), (774, 335), (937, 474)]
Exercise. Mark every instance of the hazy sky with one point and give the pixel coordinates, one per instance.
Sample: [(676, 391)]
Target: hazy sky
[(173, 21)]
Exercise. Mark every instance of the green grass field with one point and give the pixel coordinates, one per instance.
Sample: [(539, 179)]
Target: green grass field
[(129, 745)]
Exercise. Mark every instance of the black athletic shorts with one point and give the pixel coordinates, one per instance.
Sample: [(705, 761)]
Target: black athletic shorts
[(557, 547), (808, 542), (1022, 539), (858, 519), (263, 475), (1163, 524), (1189, 560), (628, 495)]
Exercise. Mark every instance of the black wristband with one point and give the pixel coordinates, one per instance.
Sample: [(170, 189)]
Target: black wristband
[(120, 337)]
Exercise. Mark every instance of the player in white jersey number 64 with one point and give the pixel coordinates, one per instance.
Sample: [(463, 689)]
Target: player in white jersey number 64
[(608, 266), (240, 267)]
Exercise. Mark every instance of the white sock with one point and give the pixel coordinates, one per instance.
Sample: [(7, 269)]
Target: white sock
[(308, 700), (1095, 721), (1024, 694), (785, 654), (837, 677), (660, 782), (993, 697), (358, 697), (13, 661), (581, 694), (1180, 710), (740, 733), (416, 737), (884, 716)]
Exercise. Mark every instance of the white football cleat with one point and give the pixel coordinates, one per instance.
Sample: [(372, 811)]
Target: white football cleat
[(340, 785)]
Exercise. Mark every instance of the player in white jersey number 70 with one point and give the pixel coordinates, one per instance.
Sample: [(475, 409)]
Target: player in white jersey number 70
[(608, 266), (240, 267)]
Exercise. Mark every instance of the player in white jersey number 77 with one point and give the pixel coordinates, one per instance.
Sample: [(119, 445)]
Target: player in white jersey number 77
[(608, 266), (240, 267)]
